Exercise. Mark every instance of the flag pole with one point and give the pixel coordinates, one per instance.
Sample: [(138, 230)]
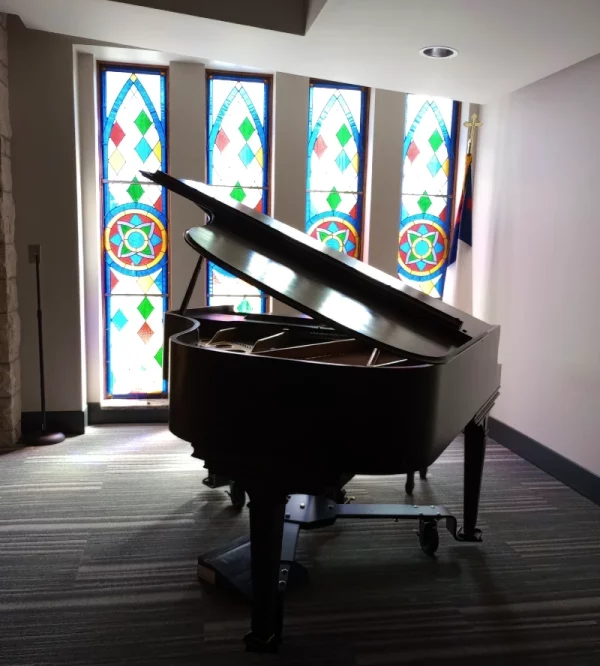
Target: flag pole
[(458, 283)]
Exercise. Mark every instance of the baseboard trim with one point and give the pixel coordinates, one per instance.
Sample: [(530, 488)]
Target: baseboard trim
[(70, 423), (99, 415), (564, 470)]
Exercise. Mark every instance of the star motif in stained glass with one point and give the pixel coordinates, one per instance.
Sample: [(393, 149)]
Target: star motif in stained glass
[(334, 199), (422, 248), (334, 237), (136, 239), (424, 203), (344, 135), (247, 128)]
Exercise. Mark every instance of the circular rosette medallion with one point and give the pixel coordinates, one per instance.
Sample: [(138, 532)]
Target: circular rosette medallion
[(423, 247), (338, 233), (135, 240)]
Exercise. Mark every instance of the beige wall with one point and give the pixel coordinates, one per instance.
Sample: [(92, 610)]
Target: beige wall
[(290, 137), (384, 180), (42, 107), (10, 327), (536, 213)]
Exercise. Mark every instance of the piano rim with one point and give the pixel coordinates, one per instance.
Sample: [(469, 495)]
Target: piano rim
[(410, 364)]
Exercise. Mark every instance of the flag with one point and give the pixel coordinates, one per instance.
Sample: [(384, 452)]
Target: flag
[(458, 287)]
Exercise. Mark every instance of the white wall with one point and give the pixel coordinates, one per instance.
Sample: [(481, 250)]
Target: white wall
[(536, 215)]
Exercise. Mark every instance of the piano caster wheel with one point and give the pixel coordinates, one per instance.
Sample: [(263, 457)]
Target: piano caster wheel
[(237, 495), (428, 537), (423, 473)]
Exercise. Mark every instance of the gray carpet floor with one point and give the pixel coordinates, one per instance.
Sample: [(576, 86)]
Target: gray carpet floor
[(99, 538)]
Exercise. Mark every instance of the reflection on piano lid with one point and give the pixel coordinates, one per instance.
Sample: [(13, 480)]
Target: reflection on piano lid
[(322, 283)]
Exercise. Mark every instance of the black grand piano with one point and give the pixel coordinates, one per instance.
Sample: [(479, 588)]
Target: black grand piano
[(394, 349)]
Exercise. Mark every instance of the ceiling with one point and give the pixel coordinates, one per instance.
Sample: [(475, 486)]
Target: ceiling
[(503, 44)]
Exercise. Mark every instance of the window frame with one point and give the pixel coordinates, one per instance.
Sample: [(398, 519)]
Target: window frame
[(363, 159), (101, 66), (268, 80), (451, 191)]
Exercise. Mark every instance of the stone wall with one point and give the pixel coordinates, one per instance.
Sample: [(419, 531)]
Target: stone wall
[(10, 325)]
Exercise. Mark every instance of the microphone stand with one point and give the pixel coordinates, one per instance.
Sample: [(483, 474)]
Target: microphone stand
[(43, 436)]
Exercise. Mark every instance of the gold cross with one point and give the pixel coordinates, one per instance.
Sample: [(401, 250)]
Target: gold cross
[(472, 125)]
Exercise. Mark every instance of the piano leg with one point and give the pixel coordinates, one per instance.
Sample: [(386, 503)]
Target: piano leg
[(267, 511), (475, 443)]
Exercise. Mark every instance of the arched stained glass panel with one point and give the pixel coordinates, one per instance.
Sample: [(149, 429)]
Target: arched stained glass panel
[(427, 189), (238, 161), (135, 223), (336, 165)]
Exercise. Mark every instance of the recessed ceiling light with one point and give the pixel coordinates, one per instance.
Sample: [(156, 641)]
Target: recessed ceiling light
[(438, 52)]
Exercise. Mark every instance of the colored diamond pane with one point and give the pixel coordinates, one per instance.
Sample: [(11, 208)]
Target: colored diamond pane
[(413, 151), (117, 134), (222, 140), (143, 149), (238, 193), (146, 333), (158, 357), (344, 135), (117, 161), (143, 122), (320, 146), (145, 308), (132, 127), (334, 199), (135, 190), (434, 165), (424, 203), (247, 129), (343, 161), (246, 155), (435, 140), (119, 319)]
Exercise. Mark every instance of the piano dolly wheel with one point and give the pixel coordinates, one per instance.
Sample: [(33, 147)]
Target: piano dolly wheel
[(429, 537), (237, 495)]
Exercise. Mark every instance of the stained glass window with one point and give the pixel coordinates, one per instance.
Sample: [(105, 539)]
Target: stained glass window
[(427, 192), (336, 165), (238, 160), (133, 137)]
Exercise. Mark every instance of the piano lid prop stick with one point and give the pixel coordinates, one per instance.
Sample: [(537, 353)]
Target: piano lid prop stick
[(191, 286)]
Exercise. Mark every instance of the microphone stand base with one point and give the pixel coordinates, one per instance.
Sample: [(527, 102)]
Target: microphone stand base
[(43, 438)]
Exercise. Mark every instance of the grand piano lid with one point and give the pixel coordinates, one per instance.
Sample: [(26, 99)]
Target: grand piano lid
[(321, 282)]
